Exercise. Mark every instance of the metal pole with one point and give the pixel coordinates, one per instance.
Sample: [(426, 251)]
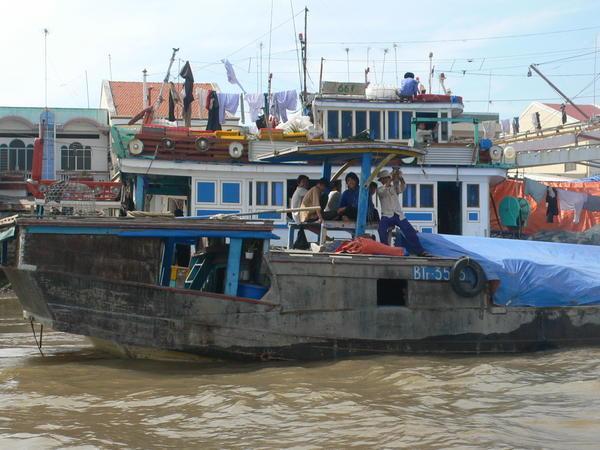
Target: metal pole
[(46, 68), (160, 98), (430, 69), (595, 64), (145, 89), (348, 63), (321, 74), (109, 67), (396, 62), (304, 94), (562, 94), (87, 89)]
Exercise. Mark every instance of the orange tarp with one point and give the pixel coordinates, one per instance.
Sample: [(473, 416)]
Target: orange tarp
[(367, 246), (537, 218)]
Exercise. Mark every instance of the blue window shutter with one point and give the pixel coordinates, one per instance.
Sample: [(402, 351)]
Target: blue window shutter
[(205, 192), (230, 193)]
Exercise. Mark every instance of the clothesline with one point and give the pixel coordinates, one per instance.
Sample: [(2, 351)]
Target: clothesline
[(567, 200)]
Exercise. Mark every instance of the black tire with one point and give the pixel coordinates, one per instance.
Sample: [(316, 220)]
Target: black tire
[(466, 289)]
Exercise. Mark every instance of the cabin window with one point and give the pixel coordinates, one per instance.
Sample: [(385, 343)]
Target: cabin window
[(444, 128), (409, 196), (393, 124), (406, 123), (262, 193), (250, 193), (472, 196), (29, 163), (391, 292), (361, 121), (346, 124), (3, 157), (205, 192), (375, 124), (277, 193), (333, 130), (230, 192), (426, 195)]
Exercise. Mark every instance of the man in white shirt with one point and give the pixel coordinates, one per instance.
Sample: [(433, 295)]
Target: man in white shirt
[(392, 215), (299, 193)]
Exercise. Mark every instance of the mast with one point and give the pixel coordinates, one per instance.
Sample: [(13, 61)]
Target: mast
[(303, 42), (536, 70), (160, 98)]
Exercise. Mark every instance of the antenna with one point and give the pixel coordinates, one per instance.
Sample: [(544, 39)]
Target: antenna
[(261, 68), (348, 62), (109, 67), (385, 52), (430, 69), (87, 89), (396, 62), (595, 64), (46, 68)]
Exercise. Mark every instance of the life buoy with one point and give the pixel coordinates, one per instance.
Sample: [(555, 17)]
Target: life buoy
[(136, 147), (236, 149), (168, 143), (202, 144), (467, 278)]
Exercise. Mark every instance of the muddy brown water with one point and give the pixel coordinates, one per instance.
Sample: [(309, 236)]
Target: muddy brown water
[(79, 397)]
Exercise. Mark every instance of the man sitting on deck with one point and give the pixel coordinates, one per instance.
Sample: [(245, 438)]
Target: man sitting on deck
[(392, 215), (299, 193), (349, 203), (409, 87), (313, 198)]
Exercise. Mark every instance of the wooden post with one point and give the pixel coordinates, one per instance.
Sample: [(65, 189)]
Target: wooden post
[(363, 195), (233, 266)]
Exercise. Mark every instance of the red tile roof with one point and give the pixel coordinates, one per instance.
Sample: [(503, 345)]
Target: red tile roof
[(590, 110), (127, 98)]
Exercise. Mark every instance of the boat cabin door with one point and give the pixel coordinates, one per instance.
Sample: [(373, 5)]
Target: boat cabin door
[(449, 207)]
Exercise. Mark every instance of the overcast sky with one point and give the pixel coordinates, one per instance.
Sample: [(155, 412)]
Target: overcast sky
[(140, 34)]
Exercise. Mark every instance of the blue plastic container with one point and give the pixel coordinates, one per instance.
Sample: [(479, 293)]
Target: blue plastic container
[(254, 291)]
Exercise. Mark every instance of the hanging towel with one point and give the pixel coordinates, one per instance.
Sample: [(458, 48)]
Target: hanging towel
[(592, 203), (505, 124), (213, 112), (535, 189), (256, 103), (571, 200), (229, 103), (283, 101)]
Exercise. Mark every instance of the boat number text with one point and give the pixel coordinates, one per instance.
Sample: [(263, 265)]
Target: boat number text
[(432, 273)]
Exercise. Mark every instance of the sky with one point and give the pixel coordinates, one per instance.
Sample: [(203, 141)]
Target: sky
[(483, 48)]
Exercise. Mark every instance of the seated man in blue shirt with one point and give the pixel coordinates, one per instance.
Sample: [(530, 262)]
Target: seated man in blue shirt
[(409, 86), (349, 202)]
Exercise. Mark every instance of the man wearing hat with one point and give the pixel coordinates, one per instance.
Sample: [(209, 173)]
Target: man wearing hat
[(392, 215)]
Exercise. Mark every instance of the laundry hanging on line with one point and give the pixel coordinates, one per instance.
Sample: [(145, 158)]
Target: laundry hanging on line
[(283, 101), (212, 104), (535, 189), (256, 102), (571, 200)]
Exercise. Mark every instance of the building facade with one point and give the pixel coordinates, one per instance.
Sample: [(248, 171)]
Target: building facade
[(76, 145)]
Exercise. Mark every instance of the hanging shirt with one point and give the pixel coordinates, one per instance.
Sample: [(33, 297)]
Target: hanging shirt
[(409, 87), (535, 189), (552, 203), (282, 102), (229, 103), (256, 102), (571, 200), (299, 194), (389, 201), (188, 85), (213, 112), (592, 203)]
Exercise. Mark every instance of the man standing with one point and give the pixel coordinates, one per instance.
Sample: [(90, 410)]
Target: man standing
[(299, 193), (392, 215)]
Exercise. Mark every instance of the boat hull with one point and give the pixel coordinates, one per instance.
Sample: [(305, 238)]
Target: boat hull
[(137, 314)]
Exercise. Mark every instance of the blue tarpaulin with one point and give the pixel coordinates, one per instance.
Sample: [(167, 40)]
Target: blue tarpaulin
[(531, 273)]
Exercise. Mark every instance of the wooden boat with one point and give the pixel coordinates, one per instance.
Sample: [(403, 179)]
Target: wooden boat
[(111, 279)]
